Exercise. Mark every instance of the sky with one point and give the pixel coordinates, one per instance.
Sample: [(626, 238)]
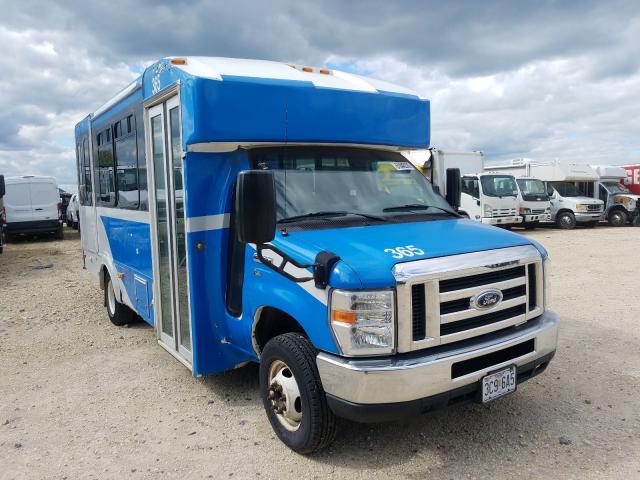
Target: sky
[(540, 79)]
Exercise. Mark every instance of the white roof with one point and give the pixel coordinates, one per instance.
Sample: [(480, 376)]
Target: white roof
[(217, 67), (30, 179), (610, 171)]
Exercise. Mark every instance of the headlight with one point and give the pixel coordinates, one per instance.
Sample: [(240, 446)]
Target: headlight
[(545, 274), (579, 206), (363, 322), (525, 211), (488, 210)]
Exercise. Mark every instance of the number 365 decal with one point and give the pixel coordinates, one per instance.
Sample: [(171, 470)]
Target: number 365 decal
[(401, 252)]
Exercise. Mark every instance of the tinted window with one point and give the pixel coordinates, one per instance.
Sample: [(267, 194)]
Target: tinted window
[(105, 170), (126, 167), (470, 186)]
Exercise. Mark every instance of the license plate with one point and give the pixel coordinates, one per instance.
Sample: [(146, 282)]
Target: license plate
[(498, 383)]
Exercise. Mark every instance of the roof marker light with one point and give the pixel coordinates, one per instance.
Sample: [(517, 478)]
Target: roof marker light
[(324, 71), (178, 61), (307, 69)]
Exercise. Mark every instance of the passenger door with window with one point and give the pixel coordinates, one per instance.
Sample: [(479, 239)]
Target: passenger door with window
[(171, 298)]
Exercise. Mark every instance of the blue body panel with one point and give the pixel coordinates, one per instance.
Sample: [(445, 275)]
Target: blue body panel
[(130, 244)]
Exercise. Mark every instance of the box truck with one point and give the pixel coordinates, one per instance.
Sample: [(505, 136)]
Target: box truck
[(490, 198)]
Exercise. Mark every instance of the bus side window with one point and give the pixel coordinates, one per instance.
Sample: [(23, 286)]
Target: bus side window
[(126, 160), (105, 169), (84, 174)]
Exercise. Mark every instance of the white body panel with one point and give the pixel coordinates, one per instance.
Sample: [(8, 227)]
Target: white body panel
[(31, 198)]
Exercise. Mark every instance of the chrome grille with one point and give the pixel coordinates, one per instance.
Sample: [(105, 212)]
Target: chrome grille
[(594, 208), (503, 212), (435, 297), (538, 212)]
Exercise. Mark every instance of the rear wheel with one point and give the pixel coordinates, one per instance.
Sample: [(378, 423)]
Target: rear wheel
[(566, 220), (119, 314), (617, 218), (293, 396)]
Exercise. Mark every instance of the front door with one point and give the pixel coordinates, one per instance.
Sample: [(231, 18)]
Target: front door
[(171, 290)]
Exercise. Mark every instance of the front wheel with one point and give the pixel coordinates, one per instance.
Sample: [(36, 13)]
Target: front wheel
[(566, 220), (293, 396), (617, 218)]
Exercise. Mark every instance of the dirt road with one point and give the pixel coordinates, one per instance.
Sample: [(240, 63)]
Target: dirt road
[(80, 398)]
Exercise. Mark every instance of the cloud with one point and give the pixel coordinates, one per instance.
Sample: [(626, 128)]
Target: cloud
[(547, 79)]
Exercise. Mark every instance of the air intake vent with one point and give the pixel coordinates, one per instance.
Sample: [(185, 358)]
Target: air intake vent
[(533, 290), (480, 363), (480, 279), (418, 312)]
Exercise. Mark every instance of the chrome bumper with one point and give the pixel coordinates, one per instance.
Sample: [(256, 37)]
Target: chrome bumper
[(588, 217), (541, 217), (404, 378), (501, 220)]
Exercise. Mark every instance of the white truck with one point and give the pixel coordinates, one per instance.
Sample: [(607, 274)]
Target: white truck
[(620, 205), (486, 197), (534, 204), (569, 205)]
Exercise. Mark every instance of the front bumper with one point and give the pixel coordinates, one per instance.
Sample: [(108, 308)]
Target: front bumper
[(542, 217), (588, 216), (377, 389), (501, 220), (33, 226)]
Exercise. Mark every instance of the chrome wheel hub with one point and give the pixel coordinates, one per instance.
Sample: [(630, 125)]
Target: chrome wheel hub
[(284, 395)]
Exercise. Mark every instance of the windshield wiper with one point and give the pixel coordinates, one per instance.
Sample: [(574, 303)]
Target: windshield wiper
[(417, 206), (337, 213)]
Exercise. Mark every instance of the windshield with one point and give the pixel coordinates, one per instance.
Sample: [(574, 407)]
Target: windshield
[(615, 187), (567, 189), (532, 188), (361, 184), (499, 185)]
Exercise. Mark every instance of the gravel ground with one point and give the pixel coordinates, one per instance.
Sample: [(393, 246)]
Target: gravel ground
[(80, 398)]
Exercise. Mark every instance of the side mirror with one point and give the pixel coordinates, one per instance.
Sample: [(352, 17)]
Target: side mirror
[(2, 187), (453, 187), (255, 208)]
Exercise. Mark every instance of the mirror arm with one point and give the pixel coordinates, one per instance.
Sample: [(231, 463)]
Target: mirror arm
[(285, 259), (325, 261)]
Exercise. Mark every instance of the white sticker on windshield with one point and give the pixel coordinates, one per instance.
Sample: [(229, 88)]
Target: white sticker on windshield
[(402, 165)]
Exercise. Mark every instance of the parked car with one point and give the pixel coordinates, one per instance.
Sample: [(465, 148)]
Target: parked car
[(73, 218), (32, 205), (65, 197)]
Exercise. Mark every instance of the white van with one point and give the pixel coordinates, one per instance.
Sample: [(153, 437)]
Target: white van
[(32, 205)]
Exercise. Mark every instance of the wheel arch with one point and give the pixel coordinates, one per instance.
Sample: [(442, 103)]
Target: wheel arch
[(269, 322)]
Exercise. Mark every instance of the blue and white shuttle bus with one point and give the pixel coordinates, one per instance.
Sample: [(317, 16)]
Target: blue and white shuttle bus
[(254, 211)]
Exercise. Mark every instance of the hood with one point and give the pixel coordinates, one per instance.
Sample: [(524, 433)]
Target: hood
[(368, 253), (586, 200)]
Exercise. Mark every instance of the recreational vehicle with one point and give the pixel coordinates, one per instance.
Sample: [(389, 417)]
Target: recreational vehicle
[(620, 205), (284, 227), (569, 205)]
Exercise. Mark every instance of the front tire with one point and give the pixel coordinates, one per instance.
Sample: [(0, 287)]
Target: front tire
[(617, 218), (293, 396), (119, 314), (566, 220)]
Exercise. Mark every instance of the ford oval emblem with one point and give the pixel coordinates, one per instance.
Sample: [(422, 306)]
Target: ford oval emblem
[(486, 299)]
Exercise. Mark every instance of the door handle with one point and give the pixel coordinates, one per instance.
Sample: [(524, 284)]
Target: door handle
[(38, 209)]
